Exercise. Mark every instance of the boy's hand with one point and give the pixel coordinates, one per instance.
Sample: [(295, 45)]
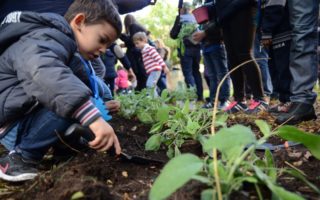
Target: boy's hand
[(166, 70), (266, 42), (105, 136), (198, 36), (113, 105), (131, 76)]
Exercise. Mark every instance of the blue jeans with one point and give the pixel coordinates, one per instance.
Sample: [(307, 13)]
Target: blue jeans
[(216, 65), (162, 83), (190, 64), (303, 53), (152, 81), (35, 133), (261, 52)]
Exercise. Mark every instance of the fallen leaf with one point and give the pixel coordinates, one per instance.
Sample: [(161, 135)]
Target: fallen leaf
[(134, 128), (125, 174)]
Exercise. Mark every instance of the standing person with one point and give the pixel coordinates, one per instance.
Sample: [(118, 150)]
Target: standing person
[(236, 18), (152, 61), (189, 52), (303, 16), (42, 93), (276, 34), (215, 61), (134, 54)]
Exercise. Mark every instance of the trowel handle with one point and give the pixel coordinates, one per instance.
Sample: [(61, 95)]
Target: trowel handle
[(84, 132)]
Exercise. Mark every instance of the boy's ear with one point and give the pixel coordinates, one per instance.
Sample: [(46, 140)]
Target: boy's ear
[(78, 21)]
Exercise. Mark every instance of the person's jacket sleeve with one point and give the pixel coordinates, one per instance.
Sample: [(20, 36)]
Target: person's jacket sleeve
[(174, 32), (117, 51), (45, 77)]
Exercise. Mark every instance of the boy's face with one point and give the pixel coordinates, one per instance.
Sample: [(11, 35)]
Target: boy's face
[(139, 44), (92, 39)]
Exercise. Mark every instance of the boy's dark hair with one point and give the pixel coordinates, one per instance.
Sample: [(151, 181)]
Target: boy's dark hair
[(96, 11)]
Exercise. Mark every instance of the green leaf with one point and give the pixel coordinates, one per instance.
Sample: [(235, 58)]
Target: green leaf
[(221, 120), (176, 151), (207, 194), (230, 141), (272, 171), (264, 127), (186, 107), (145, 117), (153, 143), (202, 179), (174, 175), (192, 127), (162, 114), (311, 141), (279, 192), (170, 152), (77, 195), (156, 128)]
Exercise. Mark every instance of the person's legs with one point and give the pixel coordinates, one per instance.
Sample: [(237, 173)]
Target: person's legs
[(261, 52), (162, 83), (303, 61), (34, 135), (38, 132), (303, 53), (152, 81), (217, 68), (281, 61), (186, 66), (239, 37), (211, 72), (197, 75)]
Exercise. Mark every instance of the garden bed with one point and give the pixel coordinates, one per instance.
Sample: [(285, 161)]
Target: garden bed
[(101, 176)]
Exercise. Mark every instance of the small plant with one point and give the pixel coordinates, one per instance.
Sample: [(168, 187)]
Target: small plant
[(175, 126), (238, 164)]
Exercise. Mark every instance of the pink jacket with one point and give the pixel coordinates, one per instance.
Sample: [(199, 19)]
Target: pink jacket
[(122, 79)]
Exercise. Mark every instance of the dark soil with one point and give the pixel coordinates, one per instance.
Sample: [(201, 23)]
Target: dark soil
[(101, 176)]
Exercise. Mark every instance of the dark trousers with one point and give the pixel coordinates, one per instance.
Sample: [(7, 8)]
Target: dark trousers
[(238, 35), (190, 64), (135, 58), (281, 76)]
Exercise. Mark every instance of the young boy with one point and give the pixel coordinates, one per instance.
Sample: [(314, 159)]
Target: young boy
[(41, 91), (153, 63)]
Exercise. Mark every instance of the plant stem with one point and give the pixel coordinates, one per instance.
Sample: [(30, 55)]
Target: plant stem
[(258, 191), (214, 151)]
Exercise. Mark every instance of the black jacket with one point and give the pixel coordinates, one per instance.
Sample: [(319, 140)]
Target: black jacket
[(226, 8), (38, 66), (275, 21)]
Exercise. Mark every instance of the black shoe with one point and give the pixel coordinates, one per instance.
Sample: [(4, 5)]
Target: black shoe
[(297, 113), (14, 168)]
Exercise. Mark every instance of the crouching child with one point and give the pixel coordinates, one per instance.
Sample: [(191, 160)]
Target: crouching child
[(41, 90)]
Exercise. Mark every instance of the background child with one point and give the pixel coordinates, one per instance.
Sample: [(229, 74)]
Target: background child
[(122, 82), (153, 63), (45, 93)]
